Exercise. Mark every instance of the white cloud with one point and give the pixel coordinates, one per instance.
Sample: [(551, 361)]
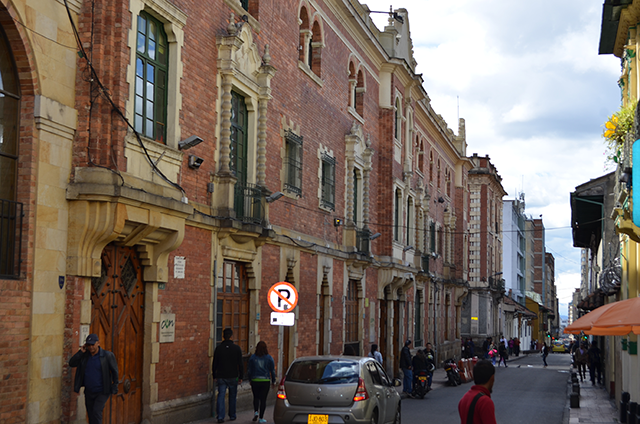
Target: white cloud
[(534, 92)]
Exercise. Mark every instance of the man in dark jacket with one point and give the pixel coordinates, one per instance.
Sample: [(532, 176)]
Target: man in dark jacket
[(405, 365), (227, 372), (98, 373), (476, 406)]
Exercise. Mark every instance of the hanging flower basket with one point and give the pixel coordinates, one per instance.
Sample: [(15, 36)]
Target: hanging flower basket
[(616, 129)]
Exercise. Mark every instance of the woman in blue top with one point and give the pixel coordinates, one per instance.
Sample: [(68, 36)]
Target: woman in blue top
[(261, 372)]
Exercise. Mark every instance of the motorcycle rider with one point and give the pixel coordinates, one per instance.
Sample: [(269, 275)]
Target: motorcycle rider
[(418, 363), (431, 363)]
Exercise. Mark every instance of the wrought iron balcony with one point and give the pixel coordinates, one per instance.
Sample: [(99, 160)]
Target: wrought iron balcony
[(248, 203), (11, 214)]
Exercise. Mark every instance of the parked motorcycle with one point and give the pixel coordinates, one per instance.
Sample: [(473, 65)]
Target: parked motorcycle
[(453, 375)]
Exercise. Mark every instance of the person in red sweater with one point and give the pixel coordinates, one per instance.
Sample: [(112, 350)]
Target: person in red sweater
[(476, 406)]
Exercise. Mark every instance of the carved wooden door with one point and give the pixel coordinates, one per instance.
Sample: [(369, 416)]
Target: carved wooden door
[(117, 317)]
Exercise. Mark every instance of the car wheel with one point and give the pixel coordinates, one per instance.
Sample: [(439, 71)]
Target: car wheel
[(398, 415), (374, 417)]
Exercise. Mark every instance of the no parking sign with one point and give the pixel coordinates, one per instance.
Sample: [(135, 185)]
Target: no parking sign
[(282, 297)]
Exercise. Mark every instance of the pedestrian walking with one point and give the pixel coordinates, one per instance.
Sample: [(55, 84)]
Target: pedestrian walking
[(261, 371), (502, 353), (485, 347), (227, 372), (516, 346), (476, 406), (545, 353), (511, 346), (405, 365), (493, 353), (98, 373), (595, 364), (581, 357), (375, 353), (471, 347)]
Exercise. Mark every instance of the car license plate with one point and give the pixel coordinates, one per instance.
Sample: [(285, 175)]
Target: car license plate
[(318, 419), (422, 378)]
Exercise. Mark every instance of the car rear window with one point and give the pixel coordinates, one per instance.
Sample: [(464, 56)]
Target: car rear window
[(324, 372)]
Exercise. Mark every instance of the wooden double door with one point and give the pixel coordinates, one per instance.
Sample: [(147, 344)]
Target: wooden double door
[(117, 317)]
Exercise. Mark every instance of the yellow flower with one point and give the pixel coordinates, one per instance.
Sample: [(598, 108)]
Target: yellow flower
[(611, 126)]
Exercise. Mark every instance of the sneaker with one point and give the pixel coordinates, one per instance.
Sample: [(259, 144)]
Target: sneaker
[(262, 420), (220, 420), (255, 416)]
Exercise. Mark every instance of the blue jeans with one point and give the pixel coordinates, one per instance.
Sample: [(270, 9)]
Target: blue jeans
[(407, 380), (223, 384), (430, 379)]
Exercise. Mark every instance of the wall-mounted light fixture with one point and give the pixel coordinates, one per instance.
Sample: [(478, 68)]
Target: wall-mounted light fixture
[(195, 161), (374, 236), (188, 143), (274, 196), (337, 222)]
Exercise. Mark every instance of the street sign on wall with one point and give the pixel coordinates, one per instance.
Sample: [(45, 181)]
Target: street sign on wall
[(282, 297)]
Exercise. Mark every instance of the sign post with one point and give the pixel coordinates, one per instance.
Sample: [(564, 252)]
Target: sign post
[(282, 298)]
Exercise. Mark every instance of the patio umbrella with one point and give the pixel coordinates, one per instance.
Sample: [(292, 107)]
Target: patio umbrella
[(623, 317), (585, 322)]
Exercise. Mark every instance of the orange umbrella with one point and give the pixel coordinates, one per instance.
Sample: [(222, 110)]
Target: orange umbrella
[(613, 331), (622, 313), (585, 322)]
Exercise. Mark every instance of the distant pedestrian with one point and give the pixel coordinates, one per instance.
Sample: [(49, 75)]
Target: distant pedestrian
[(511, 346), (516, 346), (261, 371), (485, 347), (98, 373), (375, 353), (580, 359), (545, 353), (405, 365), (502, 353), (227, 372), (493, 353), (471, 347), (595, 363), (476, 405)]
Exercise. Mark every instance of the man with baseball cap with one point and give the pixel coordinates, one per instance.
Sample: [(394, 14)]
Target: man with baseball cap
[(98, 373)]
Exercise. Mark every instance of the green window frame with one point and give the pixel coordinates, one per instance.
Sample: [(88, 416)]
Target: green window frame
[(245, 4), (328, 182), (152, 63), (239, 139), (293, 161)]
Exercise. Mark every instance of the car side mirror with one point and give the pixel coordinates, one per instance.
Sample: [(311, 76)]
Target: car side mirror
[(397, 382)]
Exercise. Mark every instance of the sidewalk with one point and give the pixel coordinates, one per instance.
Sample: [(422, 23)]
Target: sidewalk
[(595, 406)]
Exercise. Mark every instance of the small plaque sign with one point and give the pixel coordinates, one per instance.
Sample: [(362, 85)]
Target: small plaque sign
[(179, 265), (167, 328)]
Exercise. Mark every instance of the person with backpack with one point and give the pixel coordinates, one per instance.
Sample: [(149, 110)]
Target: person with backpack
[(476, 406)]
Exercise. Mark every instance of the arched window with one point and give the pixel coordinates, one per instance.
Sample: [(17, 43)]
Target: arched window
[(359, 94), (420, 145), (152, 61), (304, 50), (315, 49), (9, 134)]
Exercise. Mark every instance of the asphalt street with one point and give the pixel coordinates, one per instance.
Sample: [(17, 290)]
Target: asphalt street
[(524, 393)]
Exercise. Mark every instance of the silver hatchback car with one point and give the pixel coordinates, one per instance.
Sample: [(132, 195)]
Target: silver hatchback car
[(337, 390)]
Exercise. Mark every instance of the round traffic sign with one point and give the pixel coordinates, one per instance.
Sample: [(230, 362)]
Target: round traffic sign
[(282, 297)]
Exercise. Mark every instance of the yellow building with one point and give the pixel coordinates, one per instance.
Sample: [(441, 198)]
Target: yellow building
[(619, 37)]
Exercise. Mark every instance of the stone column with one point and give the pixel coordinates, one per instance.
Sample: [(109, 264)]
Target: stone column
[(264, 80)]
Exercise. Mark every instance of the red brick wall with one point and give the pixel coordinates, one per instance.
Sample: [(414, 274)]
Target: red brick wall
[(270, 275), (307, 306), (15, 301), (184, 365)]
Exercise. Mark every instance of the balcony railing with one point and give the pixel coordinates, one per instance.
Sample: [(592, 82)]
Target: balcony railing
[(11, 215), (248, 203)]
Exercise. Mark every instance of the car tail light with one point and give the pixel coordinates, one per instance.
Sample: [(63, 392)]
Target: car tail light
[(361, 392), (281, 393)]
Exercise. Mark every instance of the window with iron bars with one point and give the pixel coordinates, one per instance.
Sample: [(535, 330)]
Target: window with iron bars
[(293, 163), (328, 182)]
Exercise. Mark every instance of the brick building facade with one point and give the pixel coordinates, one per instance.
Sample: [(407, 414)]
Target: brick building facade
[(176, 159)]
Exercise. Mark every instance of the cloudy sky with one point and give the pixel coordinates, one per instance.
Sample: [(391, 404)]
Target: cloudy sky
[(534, 93)]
